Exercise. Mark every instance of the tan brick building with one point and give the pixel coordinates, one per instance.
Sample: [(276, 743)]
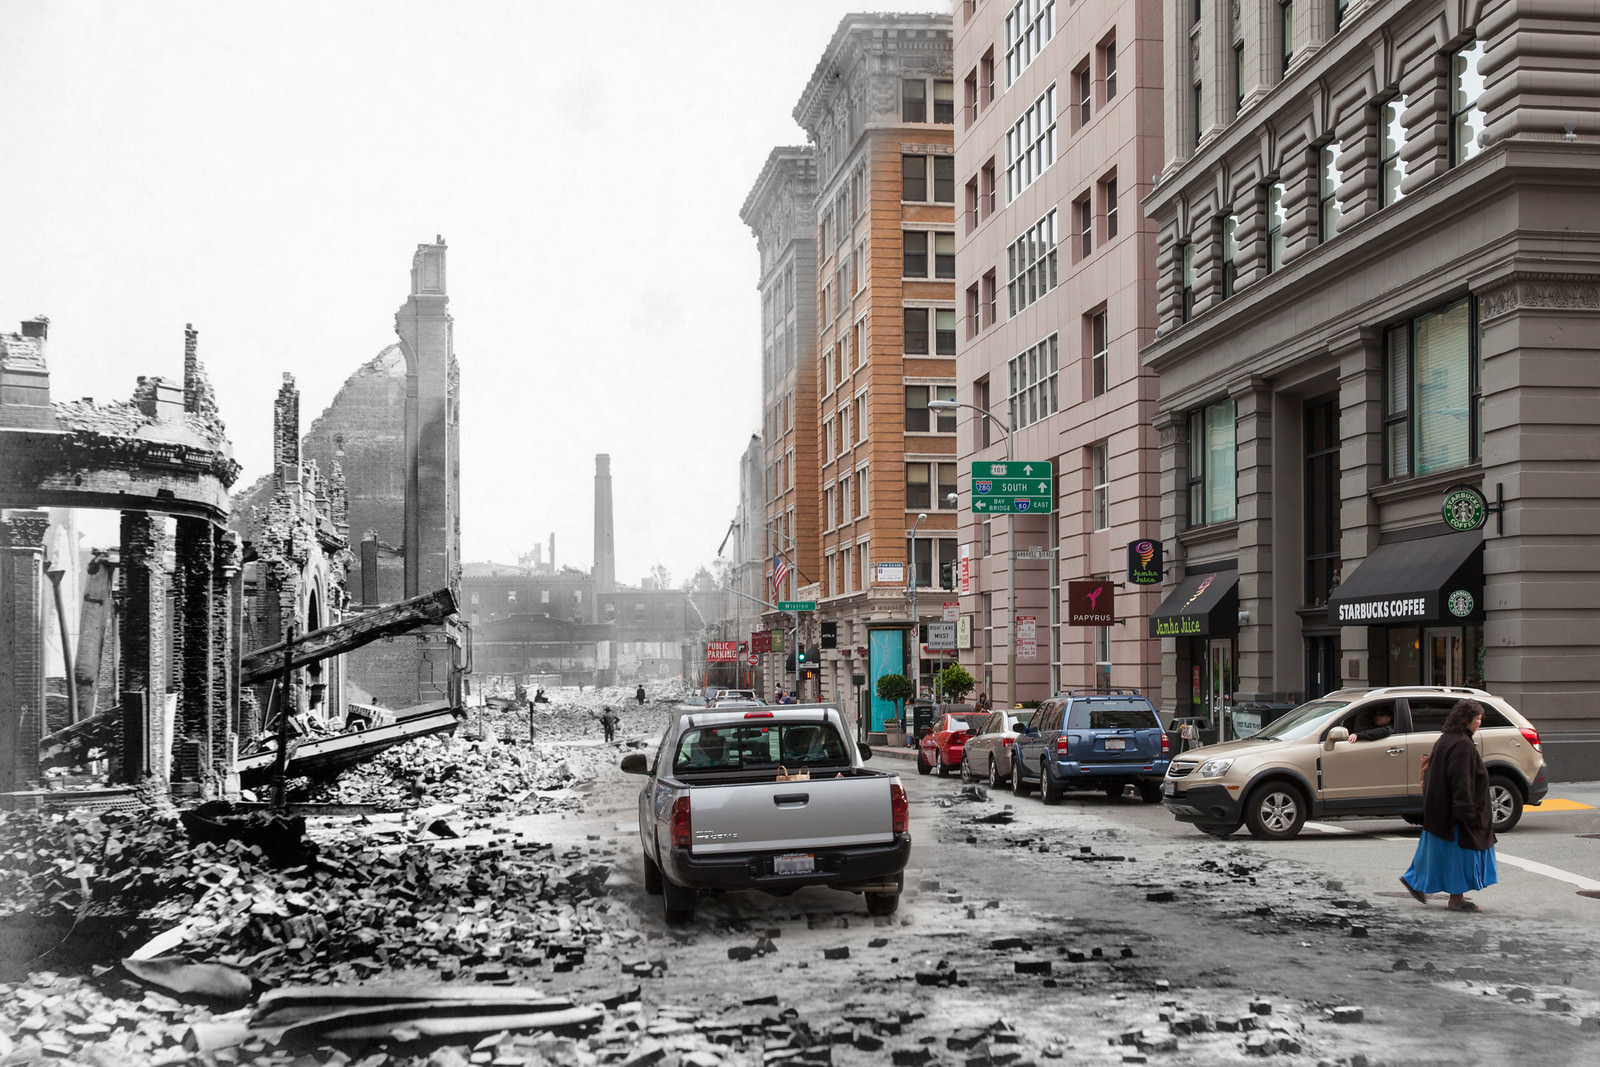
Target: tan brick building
[(1058, 137), (1379, 249), (856, 455)]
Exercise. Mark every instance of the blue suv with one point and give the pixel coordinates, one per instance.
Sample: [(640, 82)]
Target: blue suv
[(1091, 741)]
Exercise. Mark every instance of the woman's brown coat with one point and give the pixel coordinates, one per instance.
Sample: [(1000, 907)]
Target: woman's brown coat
[(1455, 793)]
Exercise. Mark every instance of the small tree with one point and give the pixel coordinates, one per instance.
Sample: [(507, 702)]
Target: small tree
[(897, 689), (955, 683)]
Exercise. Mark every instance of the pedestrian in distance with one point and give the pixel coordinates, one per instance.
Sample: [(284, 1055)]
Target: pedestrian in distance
[(1455, 853), (983, 703), (639, 695), (608, 722)]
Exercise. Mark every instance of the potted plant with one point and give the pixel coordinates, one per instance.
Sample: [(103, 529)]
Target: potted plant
[(897, 689)]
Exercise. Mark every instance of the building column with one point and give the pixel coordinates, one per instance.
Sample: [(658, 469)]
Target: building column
[(1253, 485), (143, 686), (1360, 355), (1541, 576), (194, 628), (1173, 461), (227, 625), (22, 694)]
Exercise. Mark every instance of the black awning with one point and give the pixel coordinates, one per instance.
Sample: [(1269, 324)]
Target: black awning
[(1427, 579), (1203, 605)]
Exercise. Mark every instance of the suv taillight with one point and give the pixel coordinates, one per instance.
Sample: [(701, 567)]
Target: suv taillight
[(682, 832), (1061, 745), (1533, 737), (1166, 744), (899, 808)]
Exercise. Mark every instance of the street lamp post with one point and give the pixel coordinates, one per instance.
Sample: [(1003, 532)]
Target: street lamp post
[(1011, 547), (916, 625)]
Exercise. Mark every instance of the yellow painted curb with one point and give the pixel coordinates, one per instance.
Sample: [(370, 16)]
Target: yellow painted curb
[(1556, 804)]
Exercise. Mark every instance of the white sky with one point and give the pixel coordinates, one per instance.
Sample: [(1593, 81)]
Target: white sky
[(265, 171)]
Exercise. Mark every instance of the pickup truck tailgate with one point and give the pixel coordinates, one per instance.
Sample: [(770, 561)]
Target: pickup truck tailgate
[(791, 815)]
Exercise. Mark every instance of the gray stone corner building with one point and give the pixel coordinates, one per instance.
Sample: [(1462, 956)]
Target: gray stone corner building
[(1378, 284)]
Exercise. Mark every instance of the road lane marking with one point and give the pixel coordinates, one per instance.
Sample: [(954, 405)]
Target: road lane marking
[(1531, 866)]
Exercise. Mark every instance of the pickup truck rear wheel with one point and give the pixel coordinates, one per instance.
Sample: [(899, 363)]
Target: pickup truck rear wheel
[(678, 899), (882, 903), (652, 876)]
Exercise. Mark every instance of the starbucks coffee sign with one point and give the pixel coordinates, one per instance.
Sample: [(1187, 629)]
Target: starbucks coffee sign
[(1465, 508)]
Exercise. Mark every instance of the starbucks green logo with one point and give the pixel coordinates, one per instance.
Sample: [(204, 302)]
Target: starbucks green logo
[(1460, 603), (1465, 509)]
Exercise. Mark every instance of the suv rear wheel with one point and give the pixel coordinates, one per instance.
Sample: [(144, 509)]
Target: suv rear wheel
[(1049, 789), (1150, 792), (1275, 811), (1018, 786), (1505, 803)]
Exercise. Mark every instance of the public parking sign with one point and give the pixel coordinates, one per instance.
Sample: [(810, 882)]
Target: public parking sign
[(1014, 486)]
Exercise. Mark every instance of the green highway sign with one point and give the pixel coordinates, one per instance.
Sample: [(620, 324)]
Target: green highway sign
[(1013, 486), (797, 605)]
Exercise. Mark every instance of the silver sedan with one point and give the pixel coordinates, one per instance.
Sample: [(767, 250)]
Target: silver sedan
[(987, 756)]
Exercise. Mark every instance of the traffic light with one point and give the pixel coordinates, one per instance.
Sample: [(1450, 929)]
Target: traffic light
[(830, 635), (800, 654), (947, 576)]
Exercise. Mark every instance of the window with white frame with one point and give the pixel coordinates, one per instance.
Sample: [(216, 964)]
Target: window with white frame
[(1108, 63), (944, 332), (1274, 226), (1031, 144), (864, 561), (914, 178), (861, 417), (944, 102), (1032, 378), (1108, 198), (1099, 357), (1466, 118), (1102, 659), (1432, 395), (861, 492), (1328, 179), (944, 179), (1029, 26), (1083, 93), (913, 100), (916, 331), (1286, 33), (1212, 464), (1031, 264), (846, 513), (1391, 167), (1186, 259), (827, 437), (914, 254), (844, 428), (1085, 210), (827, 506), (1099, 486), (925, 249), (922, 419)]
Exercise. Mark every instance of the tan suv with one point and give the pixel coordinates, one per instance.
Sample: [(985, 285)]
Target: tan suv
[(1306, 764)]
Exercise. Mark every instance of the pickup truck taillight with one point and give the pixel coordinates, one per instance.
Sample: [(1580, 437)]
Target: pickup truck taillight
[(1532, 737), (1166, 744), (682, 833), (1061, 745), (899, 809)]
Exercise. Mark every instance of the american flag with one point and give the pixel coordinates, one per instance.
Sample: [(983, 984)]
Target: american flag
[(780, 571)]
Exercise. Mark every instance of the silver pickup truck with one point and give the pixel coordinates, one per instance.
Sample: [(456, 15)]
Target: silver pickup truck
[(771, 799)]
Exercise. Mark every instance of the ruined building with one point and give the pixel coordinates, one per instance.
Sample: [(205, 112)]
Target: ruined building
[(163, 461)]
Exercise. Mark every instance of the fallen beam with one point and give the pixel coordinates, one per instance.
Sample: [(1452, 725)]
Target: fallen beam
[(263, 664)]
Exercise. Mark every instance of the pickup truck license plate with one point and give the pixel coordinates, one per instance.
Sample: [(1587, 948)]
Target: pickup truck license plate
[(794, 863), (1115, 744), (1168, 789)]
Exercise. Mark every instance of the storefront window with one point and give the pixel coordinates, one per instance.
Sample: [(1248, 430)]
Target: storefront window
[(1212, 497)]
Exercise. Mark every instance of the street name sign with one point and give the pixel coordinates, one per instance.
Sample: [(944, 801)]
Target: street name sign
[(1013, 486), (797, 605)]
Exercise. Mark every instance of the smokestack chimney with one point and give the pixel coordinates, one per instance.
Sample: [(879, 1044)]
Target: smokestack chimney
[(605, 546)]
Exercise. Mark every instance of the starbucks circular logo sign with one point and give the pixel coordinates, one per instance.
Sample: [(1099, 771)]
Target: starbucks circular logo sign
[(1460, 603), (1465, 508)]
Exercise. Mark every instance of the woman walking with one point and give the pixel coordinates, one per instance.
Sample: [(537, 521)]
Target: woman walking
[(1455, 853)]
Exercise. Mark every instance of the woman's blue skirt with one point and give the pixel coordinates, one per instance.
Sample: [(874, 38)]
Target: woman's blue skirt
[(1441, 866)]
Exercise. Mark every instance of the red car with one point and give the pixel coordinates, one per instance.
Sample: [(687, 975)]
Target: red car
[(943, 745)]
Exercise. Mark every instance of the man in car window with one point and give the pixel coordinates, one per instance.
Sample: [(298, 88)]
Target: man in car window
[(1381, 727)]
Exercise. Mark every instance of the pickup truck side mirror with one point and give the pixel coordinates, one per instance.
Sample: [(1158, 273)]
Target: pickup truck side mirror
[(1335, 735), (635, 763), (865, 750)]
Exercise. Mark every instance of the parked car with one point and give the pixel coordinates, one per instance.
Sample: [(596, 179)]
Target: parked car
[(1306, 765), (1101, 741), (987, 753), (941, 747)]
